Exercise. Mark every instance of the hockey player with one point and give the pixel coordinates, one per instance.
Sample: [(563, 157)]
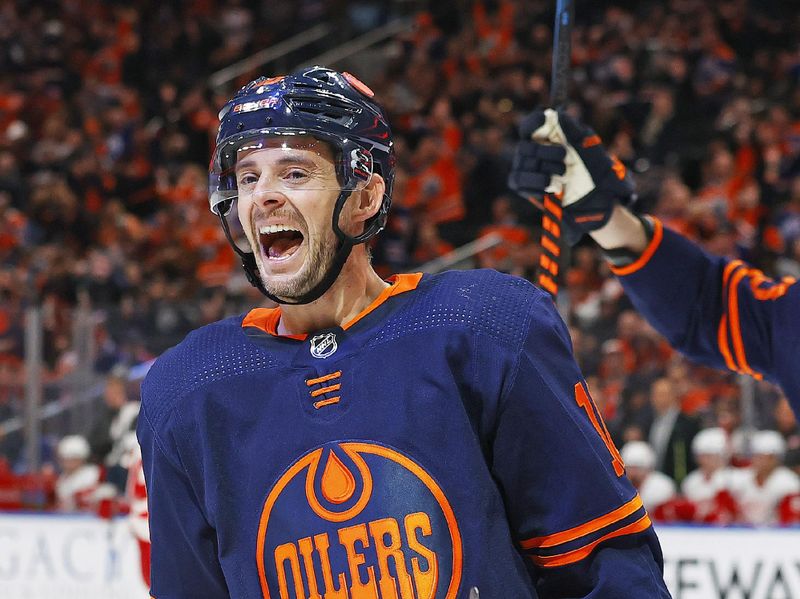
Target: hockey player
[(79, 480), (709, 487), (719, 312), (760, 488), (425, 436), (655, 488)]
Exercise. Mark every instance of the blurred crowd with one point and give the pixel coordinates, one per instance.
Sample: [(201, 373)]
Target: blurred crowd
[(107, 122)]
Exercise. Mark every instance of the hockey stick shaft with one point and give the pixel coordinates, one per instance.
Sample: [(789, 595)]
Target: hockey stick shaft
[(551, 242), (562, 52)]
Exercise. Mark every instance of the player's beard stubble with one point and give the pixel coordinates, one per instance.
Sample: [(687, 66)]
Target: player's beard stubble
[(320, 253)]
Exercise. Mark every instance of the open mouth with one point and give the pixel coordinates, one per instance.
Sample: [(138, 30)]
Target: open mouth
[(279, 242)]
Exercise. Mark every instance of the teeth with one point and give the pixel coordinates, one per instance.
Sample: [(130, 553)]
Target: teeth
[(269, 229)]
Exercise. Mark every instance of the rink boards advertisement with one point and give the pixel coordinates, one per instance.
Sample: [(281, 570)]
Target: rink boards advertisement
[(731, 563), (68, 557), (71, 557)]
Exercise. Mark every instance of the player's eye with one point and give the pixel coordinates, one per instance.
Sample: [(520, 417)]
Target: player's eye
[(295, 175), (246, 180)]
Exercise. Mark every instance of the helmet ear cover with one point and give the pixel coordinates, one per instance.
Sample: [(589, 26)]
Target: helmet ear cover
[(356, 166)]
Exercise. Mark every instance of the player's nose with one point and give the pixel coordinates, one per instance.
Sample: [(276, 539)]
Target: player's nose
[(264, 196)]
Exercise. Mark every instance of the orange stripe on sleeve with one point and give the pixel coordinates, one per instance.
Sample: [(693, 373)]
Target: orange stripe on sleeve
[(732, 312), (722, 341), (582, 530), (722, 331), (733, 319), (774, 291), (570, 557), (641, 261), (770, 293), (729, 268)]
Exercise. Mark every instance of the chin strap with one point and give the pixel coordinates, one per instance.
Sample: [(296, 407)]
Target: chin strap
[(346, 244)]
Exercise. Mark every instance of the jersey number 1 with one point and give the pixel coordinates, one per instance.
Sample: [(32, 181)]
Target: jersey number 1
[(585, 401)]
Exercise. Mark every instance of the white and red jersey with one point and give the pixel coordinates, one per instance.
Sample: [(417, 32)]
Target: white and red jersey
[(711, 495), (76, 491), (136, 494), (698, 487), (789, 510), (138, 516), (759, 502), (656, 489)]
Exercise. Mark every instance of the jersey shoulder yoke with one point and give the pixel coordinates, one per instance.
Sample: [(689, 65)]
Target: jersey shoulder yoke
[(484, 301), (209, 354)]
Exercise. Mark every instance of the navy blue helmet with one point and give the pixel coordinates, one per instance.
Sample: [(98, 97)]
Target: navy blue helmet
[(333, 107)]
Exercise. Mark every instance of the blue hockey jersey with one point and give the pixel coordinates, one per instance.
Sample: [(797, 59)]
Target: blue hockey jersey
[(440, 442), (720, 312)]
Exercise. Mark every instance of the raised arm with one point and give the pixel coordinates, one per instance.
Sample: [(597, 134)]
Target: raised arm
[(720, 312)]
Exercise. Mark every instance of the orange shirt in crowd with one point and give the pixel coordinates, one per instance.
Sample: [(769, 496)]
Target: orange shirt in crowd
[(512, 235), (436, 192)]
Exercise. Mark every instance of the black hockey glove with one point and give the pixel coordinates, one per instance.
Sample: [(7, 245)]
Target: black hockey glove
[(558, 154)]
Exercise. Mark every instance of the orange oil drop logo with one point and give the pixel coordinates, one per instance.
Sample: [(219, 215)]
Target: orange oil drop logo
[(338, 483), (352, 535)]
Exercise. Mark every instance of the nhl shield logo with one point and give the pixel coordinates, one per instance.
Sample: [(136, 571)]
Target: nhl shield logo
[(324, 345)]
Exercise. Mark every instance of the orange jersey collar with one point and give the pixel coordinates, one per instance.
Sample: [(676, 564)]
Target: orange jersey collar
[(266, 319)]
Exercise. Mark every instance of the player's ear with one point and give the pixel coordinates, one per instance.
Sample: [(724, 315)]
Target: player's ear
[(370, 198)]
